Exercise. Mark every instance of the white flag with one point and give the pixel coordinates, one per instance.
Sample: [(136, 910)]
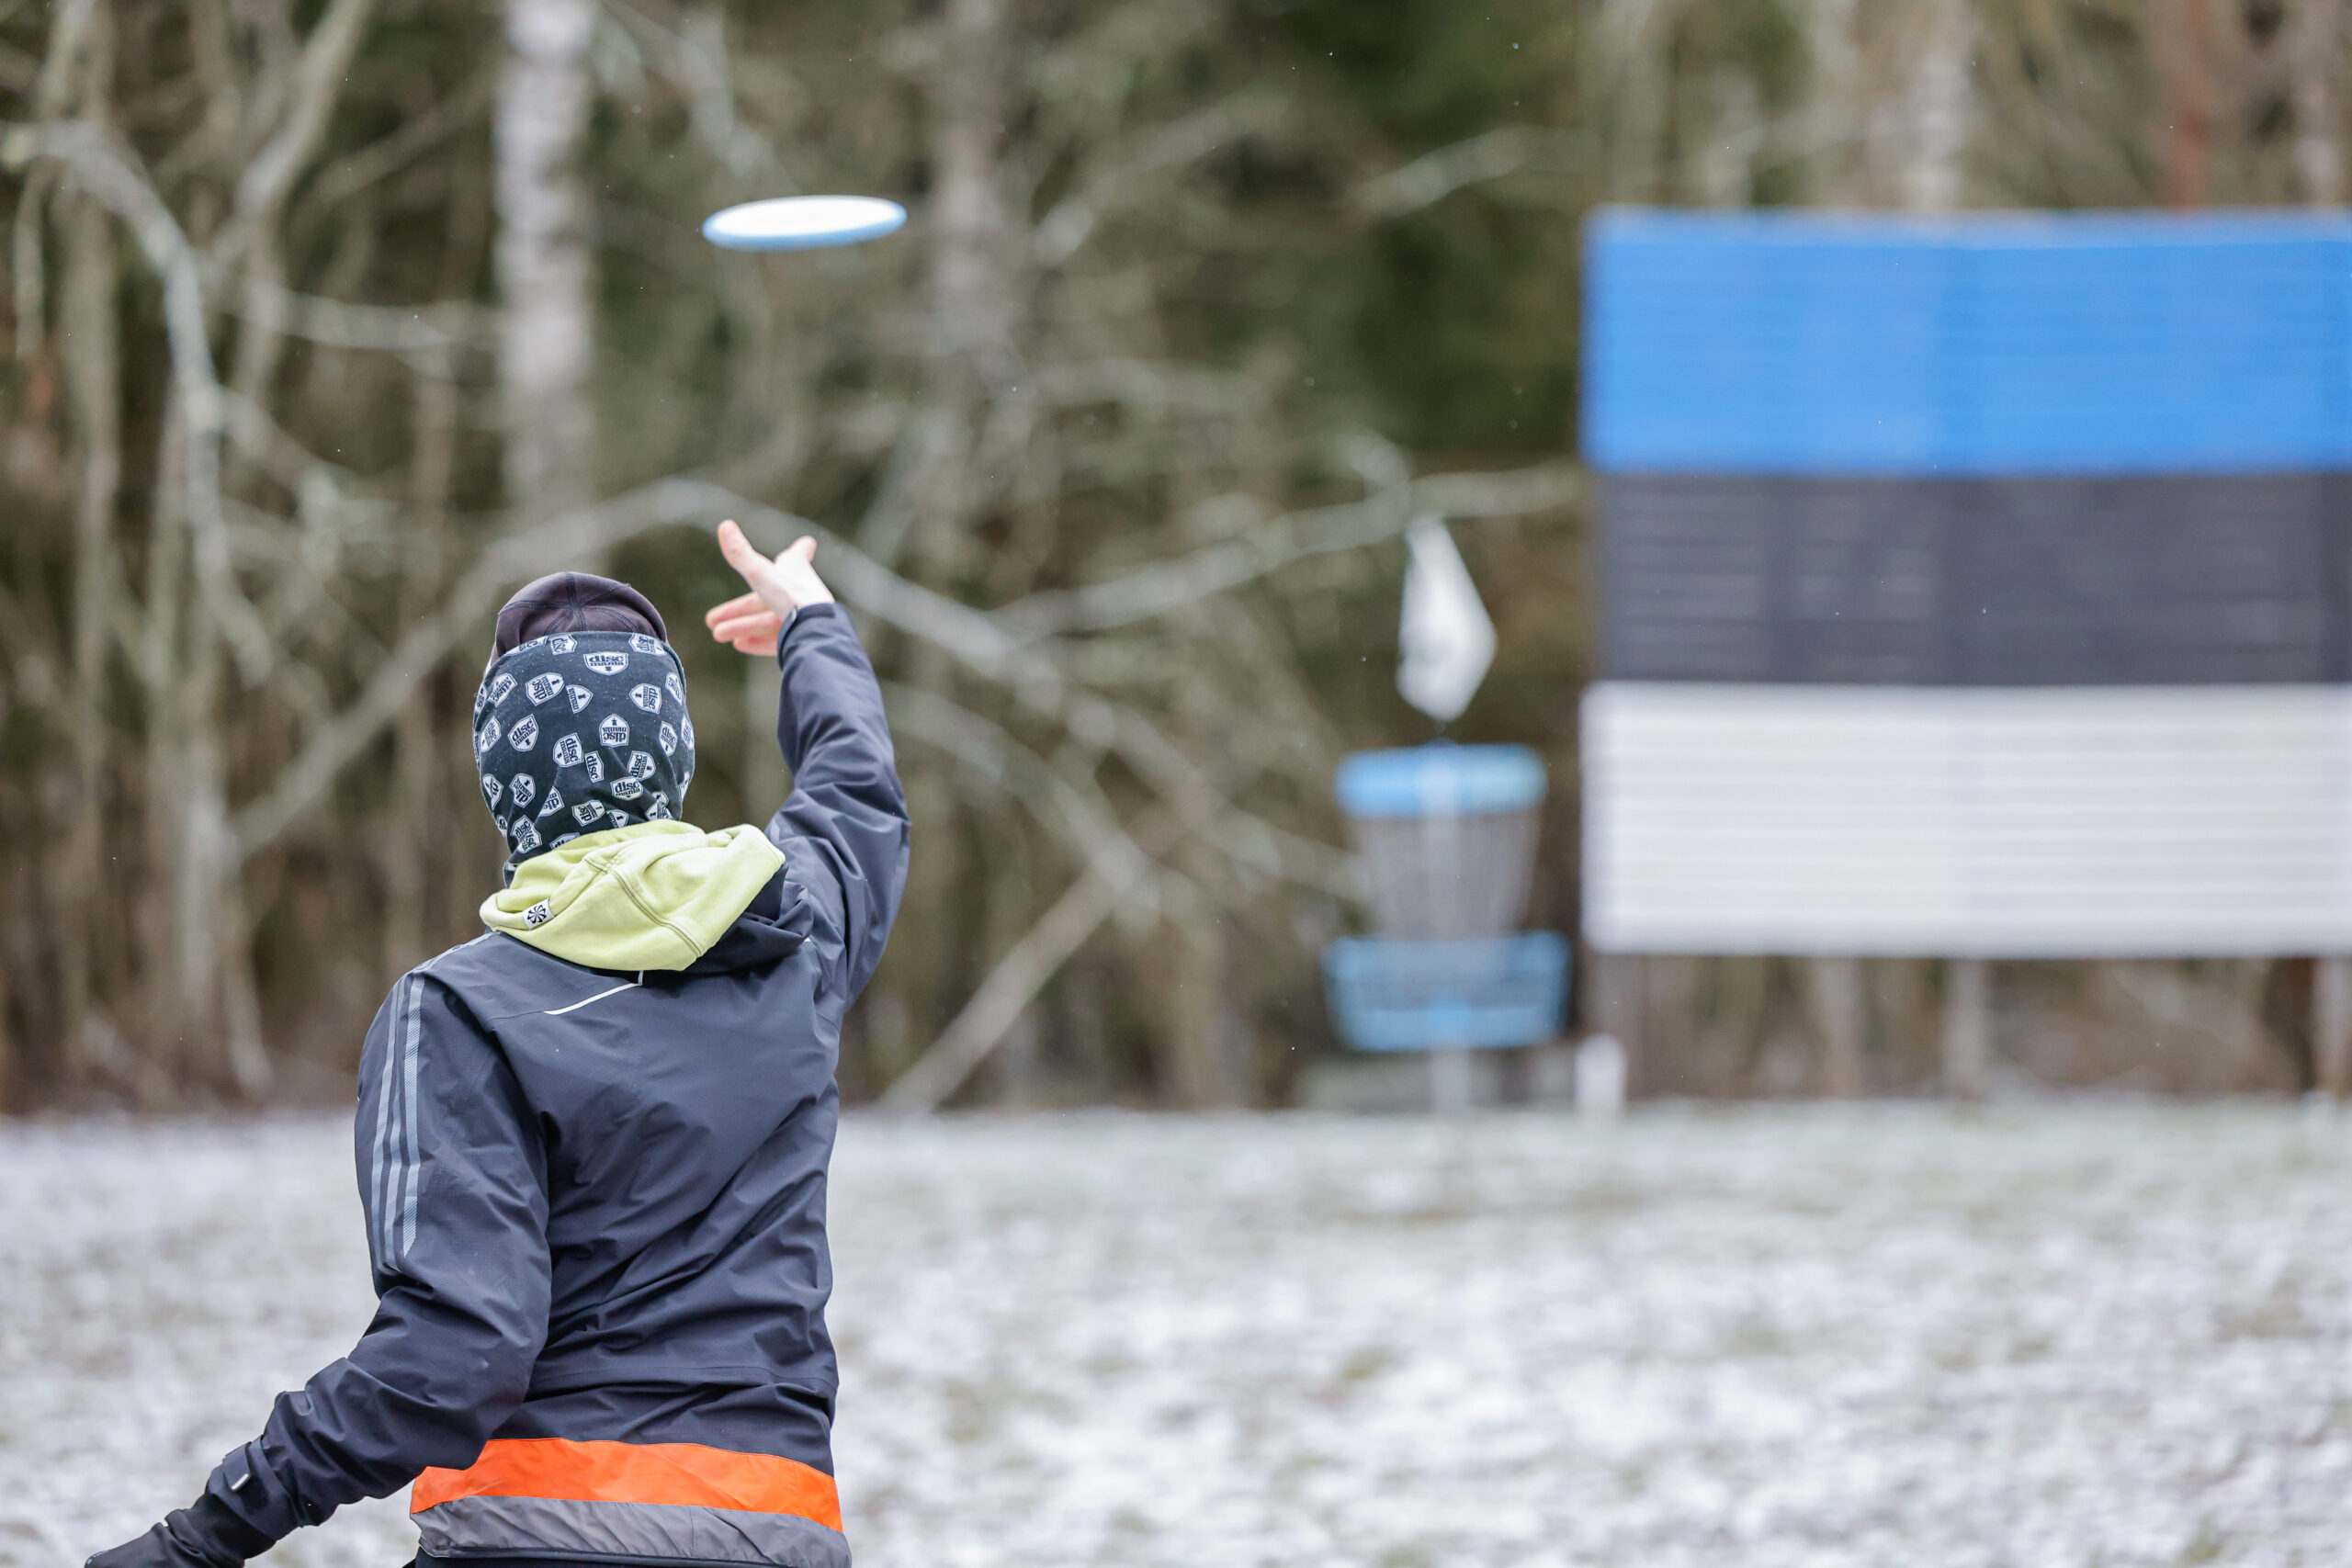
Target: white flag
[(1445, 638)]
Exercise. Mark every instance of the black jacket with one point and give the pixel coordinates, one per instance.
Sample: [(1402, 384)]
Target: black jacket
[(596, 1208)]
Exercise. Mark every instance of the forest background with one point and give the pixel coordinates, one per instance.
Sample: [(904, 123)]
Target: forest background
[(332, 322)]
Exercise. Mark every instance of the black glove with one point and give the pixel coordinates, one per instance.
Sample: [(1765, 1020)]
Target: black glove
[(208, 1534)]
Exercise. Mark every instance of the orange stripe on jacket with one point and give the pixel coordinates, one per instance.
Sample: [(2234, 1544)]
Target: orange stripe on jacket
[(636, 1472)]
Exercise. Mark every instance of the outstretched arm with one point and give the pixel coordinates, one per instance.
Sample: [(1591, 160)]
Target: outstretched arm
[(843, 830), (452, 1177)]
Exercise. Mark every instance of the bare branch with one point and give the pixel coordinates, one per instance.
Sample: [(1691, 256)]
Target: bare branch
[(257, 435), (69, 36), (1151, 384), (325, 65), (668, 502), (19, 72), (30, 265), (1022, 972), (1431, 178), (462, 611), (350, 175), (1072, 920), (1125, 182), (695, 57), (969, 636), (1082, 819), (974, 640), (1225, 565), (424, 332), (105, 171)]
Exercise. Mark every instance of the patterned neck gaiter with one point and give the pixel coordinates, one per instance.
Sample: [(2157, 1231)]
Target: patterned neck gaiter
[(581, 732)]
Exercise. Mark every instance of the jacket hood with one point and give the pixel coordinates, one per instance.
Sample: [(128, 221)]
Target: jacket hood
[(651, 896)]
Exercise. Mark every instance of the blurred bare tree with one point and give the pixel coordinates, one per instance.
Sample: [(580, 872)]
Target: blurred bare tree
[(346, 348), (334, 320)]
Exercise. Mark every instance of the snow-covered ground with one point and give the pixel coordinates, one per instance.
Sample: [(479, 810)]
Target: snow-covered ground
[(1886, 1336)]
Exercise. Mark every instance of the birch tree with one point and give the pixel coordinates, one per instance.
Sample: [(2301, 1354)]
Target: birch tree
[(545, 261)]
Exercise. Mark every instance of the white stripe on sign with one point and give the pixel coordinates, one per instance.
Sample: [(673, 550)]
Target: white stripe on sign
[(1981, 822)]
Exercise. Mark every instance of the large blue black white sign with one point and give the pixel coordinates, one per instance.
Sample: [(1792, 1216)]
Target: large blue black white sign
[(1970, 587)]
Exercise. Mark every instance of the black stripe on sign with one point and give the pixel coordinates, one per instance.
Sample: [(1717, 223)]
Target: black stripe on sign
[(2200, 581)]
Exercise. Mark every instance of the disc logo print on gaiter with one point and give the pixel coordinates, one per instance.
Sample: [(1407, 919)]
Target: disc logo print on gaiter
[(604, 681)]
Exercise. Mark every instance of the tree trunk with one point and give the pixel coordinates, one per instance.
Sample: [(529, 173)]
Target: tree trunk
[(2315, 30), (546, 229), (162, 703), (969, 98), (930, 494), (416, 772), (1940, 106), (1898, 119), (1968, 1027), (1894, 101), (2314, 40), (2185, 56), (1840, 1013), (310, 82), (94, 385), (1616, 989), (2331, 1026), (1835, 103), (1204, 1050), (761, 765), (218, 1014)]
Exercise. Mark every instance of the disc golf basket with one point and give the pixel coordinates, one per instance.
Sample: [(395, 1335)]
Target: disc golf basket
[(1446, 838)]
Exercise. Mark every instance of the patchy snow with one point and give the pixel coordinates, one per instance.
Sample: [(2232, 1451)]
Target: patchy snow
[(2051, 1336)]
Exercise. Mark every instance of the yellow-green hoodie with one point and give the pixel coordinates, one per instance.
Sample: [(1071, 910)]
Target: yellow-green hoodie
[(652, 896)]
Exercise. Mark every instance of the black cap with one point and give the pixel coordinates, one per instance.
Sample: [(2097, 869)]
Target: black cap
[(574, 602)]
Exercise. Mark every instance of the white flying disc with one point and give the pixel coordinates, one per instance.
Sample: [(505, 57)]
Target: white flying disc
[(802, 222)]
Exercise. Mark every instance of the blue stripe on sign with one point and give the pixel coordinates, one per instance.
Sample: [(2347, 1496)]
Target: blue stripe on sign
[(2051, 343)]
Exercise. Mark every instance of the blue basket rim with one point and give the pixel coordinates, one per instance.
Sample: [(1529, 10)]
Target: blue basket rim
[(1423, 781)]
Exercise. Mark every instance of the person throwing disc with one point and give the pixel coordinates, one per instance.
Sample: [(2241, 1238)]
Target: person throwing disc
[(592, 1141)]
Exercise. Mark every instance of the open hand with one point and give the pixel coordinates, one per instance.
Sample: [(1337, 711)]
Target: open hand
[(753, 622)]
